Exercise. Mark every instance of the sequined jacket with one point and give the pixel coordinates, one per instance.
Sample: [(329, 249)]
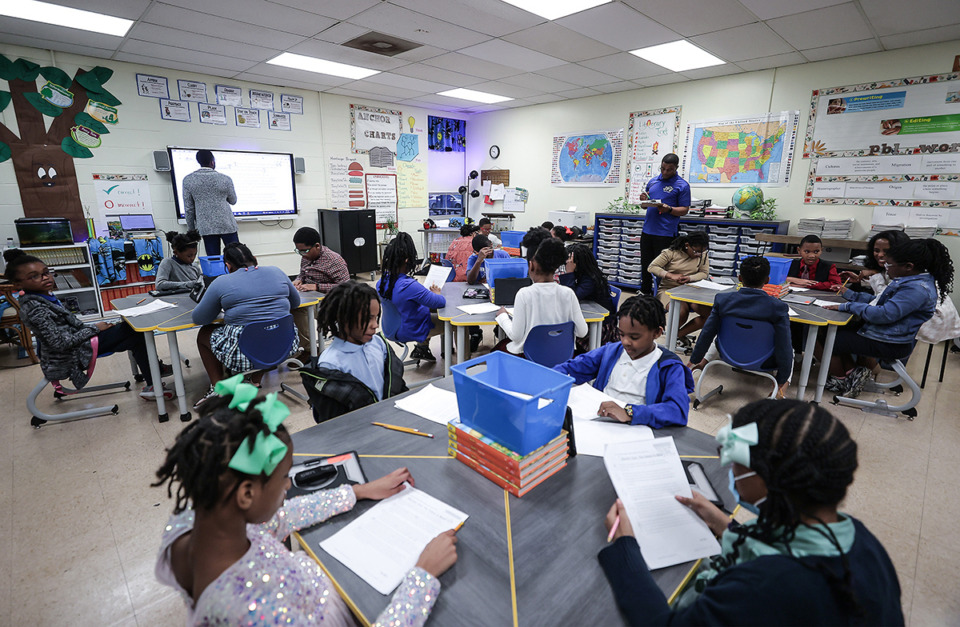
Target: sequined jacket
[(65, 350), (270, 585)]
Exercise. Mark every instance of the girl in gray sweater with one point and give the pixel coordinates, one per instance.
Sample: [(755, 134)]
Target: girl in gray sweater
[(179, 271)]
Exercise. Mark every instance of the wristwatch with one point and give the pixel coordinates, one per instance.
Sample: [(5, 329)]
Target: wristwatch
[(629, 409)]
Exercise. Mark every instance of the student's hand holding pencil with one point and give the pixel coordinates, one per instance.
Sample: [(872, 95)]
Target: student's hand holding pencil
[(385, 486), (440, 554), (617, 516)]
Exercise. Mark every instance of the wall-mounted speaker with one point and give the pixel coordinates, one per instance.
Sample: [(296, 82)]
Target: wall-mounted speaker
[(299, 165), (161, 161)]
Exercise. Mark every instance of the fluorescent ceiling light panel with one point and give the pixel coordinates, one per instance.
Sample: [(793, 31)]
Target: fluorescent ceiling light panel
[(678, 56), (553, 9), (476, 96), (65, 16), (321, 66)]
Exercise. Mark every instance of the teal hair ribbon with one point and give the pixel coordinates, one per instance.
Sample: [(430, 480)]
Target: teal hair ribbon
[(735, 443), (266, 451)]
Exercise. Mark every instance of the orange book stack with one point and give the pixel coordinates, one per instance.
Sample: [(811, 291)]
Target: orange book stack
[(518, 474), (777, 291)]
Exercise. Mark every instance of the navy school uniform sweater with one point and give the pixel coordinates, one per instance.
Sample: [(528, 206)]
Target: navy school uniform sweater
[(414, 303)]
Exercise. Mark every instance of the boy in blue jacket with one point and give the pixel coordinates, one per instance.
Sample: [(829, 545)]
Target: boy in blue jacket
[(652, 381)]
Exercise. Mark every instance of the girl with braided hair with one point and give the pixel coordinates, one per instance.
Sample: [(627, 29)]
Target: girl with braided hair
[(800, 562), (222, 549)]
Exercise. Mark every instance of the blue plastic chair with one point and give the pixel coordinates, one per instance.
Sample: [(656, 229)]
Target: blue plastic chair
[(390, 326), (743, 345), (267, 344), (550, 344), (615, 297), (446, 262)]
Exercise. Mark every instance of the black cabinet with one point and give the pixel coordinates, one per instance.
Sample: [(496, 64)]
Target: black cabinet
[(353, 234)]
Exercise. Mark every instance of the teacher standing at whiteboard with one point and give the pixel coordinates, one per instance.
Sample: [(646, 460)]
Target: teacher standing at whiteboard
[(207, 196), (671, 200)]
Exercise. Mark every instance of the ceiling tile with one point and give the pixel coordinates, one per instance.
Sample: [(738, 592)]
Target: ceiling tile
[(611, 88), (538, 82), (823, 27), (848, 49), (710, 72), (769, 9), (407, 82), (366, 85), (27, 28), (544, 98), (890, 17), (331, 8), (511, 91), (624, 65), (341, 32), (664, 79), (422, 104), (578, 75), (128, 9), (430, 73), (216, 26), (287, 75), (511, 55), (59, 46), (182, 66), (354, 93), (490, 17), (393, 20), (777, 60), (469, 65), (419, 54), (280, 83), (147, 49), (933, 35), (342, 54), (743, 42), (560, 42), (440, 101), (213, 45), (583, 92), (619, 26), (695, 17), (277, 16)]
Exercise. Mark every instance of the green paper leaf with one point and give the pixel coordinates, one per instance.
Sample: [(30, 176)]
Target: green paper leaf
[(42, 105), (91, 83), (106, 98), (103, 74), (4, 99), (74, 149), (5, 152), (57, 76), (7, 71), (92, 123), (27, 70)]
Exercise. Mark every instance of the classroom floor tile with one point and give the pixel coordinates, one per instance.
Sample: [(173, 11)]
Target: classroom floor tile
[(78, 515)]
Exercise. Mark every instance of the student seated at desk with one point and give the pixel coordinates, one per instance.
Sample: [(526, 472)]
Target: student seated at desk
[(229, 473), (180, 270), (544, 302), (486, 228), (873, 277), (321, 270), (652, 381), (482, 250), (532, 240), (248, 293), (685, 261), (64, 341), (357, 368), (791, 463), (752, 303), (411, 298), (808, 271), (460, 250), (582, 274), (921, 274)]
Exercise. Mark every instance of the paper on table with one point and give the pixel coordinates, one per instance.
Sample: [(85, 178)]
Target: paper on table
[(140, 310), (431, 403), (799, 289), (479, 308), (543, 402), (824, 303), (585, 400), (437, 275), (791, 312), (647, 475), (384, 543), (593, 436), (710, 285)]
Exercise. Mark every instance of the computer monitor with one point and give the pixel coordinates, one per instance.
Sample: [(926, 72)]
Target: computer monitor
[(44, 231), (133, 222)]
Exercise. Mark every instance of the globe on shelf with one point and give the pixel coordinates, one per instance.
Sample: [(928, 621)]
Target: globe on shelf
[(748, 198)]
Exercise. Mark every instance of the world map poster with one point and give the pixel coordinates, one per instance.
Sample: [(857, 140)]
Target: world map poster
[(589, 159), (737, 151)]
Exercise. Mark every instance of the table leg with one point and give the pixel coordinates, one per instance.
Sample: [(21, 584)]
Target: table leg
[(463, 344), (178, 376), (447, 347), (808, 348), (312, 318), (162, 415), (594, 334), (673, 325), (825, 361)]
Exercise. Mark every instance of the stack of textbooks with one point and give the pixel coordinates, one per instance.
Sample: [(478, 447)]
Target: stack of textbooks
[(777, 291), (837, 229), (922, 232), (876, 229), (518, 474), (810, 226)]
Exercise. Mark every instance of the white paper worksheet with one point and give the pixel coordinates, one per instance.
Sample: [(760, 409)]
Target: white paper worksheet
[(431, 403), (437, 275), (592, 433), (710, 285), (385, 542), (479, 308), (647, 475), (140, 310)]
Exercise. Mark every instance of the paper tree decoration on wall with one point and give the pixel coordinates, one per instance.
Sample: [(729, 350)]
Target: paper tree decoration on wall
[(81, 109), (446, 134)]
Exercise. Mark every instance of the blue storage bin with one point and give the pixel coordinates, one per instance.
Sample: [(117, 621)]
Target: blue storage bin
[(779, 268), (504, 268), (212, 265), (511, 239), (485, 398)]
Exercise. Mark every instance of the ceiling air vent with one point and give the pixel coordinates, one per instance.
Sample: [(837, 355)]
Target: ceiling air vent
[(381, 44)]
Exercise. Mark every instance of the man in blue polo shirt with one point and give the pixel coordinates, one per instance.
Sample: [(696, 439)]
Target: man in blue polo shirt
[(672, 195)]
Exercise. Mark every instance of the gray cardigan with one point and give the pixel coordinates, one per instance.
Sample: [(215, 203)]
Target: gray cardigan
[(174, 275), (207, 196)]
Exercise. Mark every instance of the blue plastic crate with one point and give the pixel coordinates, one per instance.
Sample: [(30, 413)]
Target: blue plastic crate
[(212, 265), (504, 269), (511, 239), (779, 268), (500, 395)]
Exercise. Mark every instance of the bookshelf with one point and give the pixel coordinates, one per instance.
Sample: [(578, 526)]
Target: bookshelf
[(76, 284)]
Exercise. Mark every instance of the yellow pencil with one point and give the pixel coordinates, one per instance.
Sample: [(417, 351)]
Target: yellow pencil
[(460, 525), (402, 429)]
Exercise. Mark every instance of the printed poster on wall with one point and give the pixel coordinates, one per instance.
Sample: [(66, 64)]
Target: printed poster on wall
[(176, 110), (152, 86), (261, 99), (192, 91), (346, 182), (121, 193), (412, 184), (371, 127), (229, 96), (212, 114), (650, 136), (279, 121), (291, 104), (589, 159), (249, 118), (382, 196)]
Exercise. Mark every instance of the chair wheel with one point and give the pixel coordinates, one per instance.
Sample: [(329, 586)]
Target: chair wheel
[(696, 403), (115, 410), (126, 386), (910, 413), (836, 399), (186, 362), (58, 396), (36, 423), (897, 389), (138, 378)]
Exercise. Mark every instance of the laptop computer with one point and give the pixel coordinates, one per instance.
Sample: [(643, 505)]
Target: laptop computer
[(134, 222), (799, 299), (505, 290), (44, 231)]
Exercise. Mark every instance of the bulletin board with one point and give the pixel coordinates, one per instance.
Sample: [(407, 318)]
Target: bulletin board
[(496, 177)]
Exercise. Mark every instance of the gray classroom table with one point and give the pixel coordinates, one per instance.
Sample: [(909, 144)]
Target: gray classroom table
[(453, 317), (810, 315), (522, 561)]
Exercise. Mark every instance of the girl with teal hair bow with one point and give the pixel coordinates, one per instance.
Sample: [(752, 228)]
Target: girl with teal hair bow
[(223, 550)]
